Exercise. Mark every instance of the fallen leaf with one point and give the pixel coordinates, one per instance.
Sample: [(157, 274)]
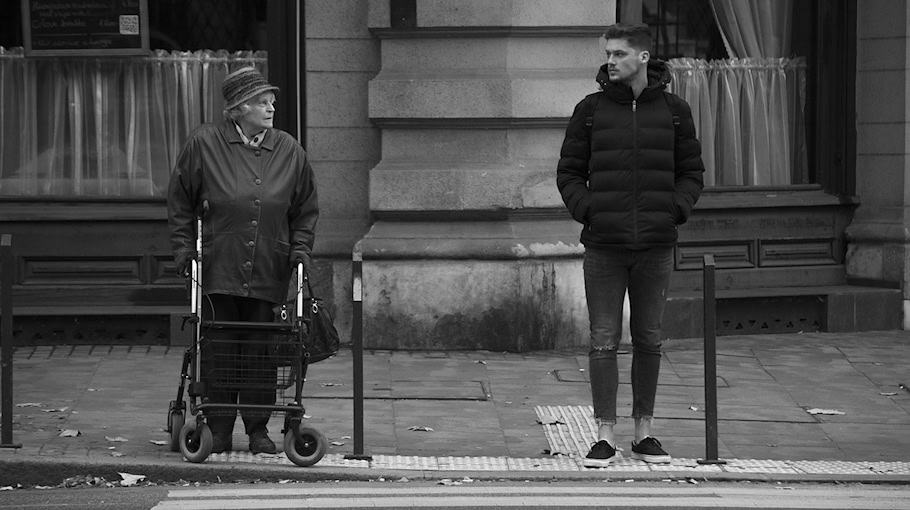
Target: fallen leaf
[(117, 454), (30, 404), (816, 410), (337, 443), (117, 439), (159, 443), (6, 488), (57, 410), (448, 481), (329, 384), (69, 433), (888, 393), (420, 428), (549, 419), (129, 479), (482, 362), (693, 408), (287, 480)]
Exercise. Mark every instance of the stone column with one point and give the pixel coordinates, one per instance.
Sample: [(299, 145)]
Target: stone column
[(879, 236), (471, 246)]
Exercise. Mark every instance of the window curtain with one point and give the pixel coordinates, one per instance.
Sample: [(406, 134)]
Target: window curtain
[(101, 126), (749, 116), (749, 109)]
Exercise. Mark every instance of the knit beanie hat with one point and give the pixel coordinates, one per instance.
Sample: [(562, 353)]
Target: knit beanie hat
[(242, 85)]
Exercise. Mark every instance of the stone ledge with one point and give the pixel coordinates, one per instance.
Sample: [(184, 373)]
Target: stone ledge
[(483, 240)]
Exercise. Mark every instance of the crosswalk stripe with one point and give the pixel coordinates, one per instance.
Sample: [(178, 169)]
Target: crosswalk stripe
[(535, 496)]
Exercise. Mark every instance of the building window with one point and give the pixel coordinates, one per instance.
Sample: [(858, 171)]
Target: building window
[(743, 66), (112, 126)]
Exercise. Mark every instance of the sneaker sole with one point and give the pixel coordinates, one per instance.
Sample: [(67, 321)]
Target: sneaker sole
[(586, 462), (653, 459)]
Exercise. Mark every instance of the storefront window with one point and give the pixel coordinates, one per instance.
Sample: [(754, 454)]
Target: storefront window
[(735, 62), (113, 126)]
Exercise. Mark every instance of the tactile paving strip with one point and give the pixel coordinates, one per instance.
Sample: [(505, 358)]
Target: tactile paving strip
[(404, 462), (570, 431), (472, 463)]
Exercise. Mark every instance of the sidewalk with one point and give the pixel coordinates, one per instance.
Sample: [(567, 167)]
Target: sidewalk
[(811, 407)]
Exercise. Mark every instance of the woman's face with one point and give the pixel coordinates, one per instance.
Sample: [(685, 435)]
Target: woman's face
[(260, 114)]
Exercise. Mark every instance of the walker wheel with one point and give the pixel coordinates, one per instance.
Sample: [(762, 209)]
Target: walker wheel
[(304, 446), (195, 448), (175, 422)]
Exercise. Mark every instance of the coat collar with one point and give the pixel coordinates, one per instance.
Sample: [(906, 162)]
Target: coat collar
[(230, 134), (658, 79)]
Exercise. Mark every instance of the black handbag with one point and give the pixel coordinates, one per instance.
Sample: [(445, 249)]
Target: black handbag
[(320, 337)]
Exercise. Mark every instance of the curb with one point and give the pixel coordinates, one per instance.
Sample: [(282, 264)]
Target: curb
[(31, 472)]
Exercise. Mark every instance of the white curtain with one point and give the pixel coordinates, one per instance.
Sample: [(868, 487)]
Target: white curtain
[(104, 127), (749, 110), (755, 28), (749, 116)]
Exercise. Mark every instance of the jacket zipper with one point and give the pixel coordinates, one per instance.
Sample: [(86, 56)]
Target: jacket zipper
[(634, 173)]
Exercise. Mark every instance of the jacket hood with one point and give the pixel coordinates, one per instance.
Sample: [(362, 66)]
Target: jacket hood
[(658, 78)]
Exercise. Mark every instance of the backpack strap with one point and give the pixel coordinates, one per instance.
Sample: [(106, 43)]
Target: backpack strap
[(673, 105), (589, 121)]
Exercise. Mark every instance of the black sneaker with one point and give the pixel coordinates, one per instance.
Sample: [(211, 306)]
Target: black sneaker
[(260, 443), (221, 442), (601, 455), (649, 450)]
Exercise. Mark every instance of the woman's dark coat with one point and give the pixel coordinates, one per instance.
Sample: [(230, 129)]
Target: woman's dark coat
[(261, 215)]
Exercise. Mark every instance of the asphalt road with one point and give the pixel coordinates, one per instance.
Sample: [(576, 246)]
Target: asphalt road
[(465, 494)]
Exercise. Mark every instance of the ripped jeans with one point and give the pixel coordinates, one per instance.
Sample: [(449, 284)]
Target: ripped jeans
[(646, 274)]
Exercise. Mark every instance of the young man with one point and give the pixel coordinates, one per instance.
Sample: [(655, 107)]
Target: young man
[(630, 171)]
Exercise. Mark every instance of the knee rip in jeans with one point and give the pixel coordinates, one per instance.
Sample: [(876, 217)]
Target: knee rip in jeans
[(603, 351)]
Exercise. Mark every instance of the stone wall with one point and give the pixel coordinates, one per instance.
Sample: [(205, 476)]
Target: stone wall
[(879, 236), (472, 247)]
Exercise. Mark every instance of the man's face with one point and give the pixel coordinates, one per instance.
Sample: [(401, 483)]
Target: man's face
[(261, 113), (623, 61)]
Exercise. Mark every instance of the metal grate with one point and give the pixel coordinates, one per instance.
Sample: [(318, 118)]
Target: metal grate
[(785, 314), (92, 329)]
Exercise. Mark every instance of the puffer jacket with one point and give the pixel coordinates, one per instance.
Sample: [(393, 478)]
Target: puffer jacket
[(631, 176)]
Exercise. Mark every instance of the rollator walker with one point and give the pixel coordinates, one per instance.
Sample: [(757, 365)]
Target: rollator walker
[(282, 370)]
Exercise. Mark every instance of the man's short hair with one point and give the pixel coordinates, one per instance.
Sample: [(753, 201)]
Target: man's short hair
[(638, 35)]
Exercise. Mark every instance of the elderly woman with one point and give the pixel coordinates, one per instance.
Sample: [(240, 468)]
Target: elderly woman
[(260, 213)]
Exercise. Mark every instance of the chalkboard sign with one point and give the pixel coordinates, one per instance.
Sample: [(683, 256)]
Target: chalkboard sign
[(85, 27)]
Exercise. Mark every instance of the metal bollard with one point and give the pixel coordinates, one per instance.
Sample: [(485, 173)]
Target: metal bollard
[(357, 351), (6, 341), (710, 332)]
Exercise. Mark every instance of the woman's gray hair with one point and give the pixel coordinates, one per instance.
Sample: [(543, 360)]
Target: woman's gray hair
[(234, 113)]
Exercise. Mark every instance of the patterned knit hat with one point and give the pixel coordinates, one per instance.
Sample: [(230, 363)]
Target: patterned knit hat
[(242, 85)]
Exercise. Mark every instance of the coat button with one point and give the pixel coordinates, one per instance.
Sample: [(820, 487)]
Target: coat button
[(258, 181)]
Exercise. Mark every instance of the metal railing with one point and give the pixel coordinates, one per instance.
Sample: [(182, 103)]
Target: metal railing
[(710, 347), (6, 341)]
